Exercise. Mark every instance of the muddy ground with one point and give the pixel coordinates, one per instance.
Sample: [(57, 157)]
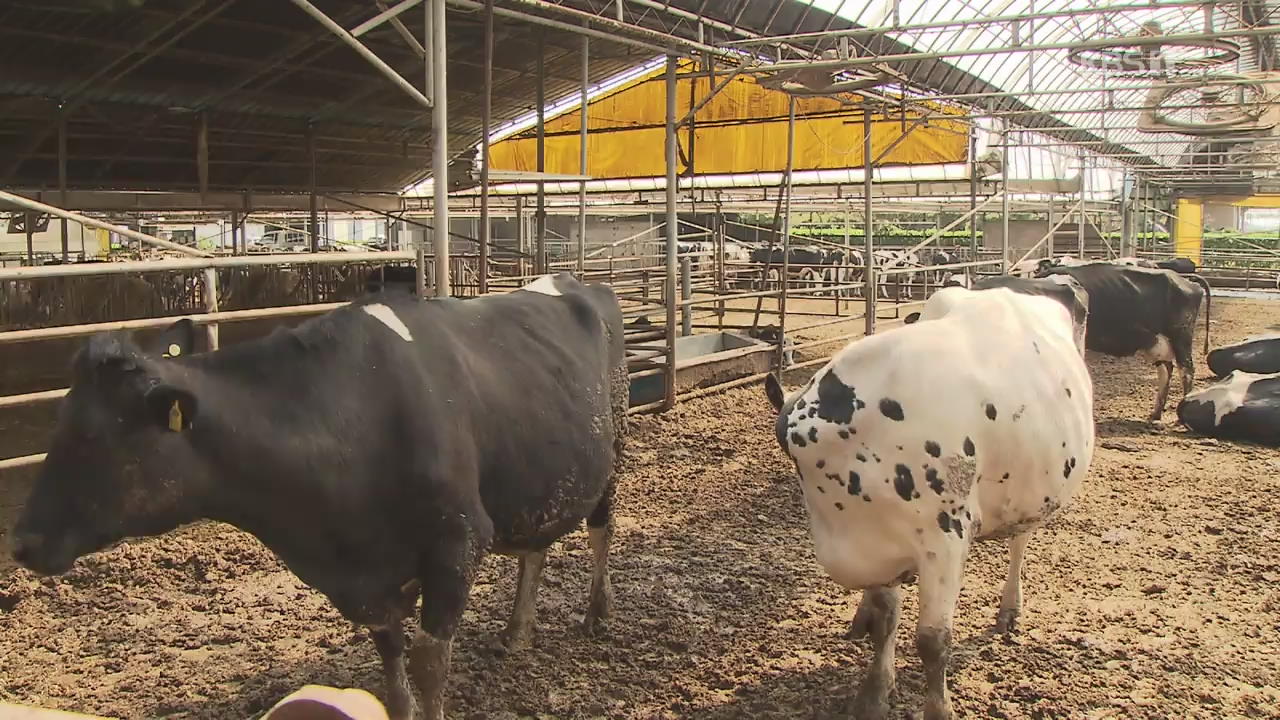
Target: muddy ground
[(1156, 595)]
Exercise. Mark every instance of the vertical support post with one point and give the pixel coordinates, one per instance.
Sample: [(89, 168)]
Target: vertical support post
[(671, 233), (785, 278), (29, 221), (486, 117), (1048, 243), (1126, 213), (540, 214), (62, 174), (582, 157), (1006, 172), (439, 148), (973, 192), (314, 214), (869, 274), (211, 304), (717, 238), (202, 154), (235, 230), (686, 294), (1084, 194), (522, 238)]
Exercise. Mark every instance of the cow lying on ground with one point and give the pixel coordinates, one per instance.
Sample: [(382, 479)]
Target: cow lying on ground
[(1243, 405), (975, 423), (1139, 311), (380, 451), (1255, 355)]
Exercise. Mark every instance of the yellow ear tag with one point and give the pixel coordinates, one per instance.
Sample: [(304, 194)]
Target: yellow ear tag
[(175, 417), (173, 351)]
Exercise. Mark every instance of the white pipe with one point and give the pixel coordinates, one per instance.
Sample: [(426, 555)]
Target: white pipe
[(382, 17), (440, 145), (30, 204)]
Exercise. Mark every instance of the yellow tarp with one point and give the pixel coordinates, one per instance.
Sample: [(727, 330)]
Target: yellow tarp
[(1188, 230), (742, 129)]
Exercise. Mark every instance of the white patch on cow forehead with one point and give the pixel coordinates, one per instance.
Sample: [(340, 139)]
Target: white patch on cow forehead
[(388, 317), (545, 285)]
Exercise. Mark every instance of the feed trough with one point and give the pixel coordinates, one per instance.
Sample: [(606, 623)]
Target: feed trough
[(704, 360)]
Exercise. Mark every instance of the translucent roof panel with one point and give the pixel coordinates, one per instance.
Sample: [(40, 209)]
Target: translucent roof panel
[(1021, 48)]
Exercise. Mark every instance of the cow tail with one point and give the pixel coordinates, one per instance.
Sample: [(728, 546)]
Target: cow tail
[(1208, 304)]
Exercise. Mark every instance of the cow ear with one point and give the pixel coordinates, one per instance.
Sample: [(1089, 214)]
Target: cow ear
[(773, 388), (176, 340), (109, 351), (911, 318), (171, 408)]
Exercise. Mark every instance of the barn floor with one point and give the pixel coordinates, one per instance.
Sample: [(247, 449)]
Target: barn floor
[(1156, 595)]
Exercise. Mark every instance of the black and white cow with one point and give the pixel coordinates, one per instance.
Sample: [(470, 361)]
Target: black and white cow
[(803, 264), (841, 266), (939, 257), (1146, 312), (897, 284), (1243, 405), (914, 443), (380, 451), (1255, 355)]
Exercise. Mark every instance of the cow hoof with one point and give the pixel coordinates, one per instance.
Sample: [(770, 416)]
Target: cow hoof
[(871, 704), (513, 641), (1007, 622), (595, 626)]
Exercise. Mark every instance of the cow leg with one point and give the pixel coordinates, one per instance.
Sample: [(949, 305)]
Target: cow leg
[(1011, 599), (1165, 371), (446, 583), (940, 581), (600, 534), (519, 632), (872, 702), (389, 640)]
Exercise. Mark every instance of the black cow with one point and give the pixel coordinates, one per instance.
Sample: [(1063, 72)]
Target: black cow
[(1140, 311), (397, 278), (1255, 355), (1243, 405), (380, 451)]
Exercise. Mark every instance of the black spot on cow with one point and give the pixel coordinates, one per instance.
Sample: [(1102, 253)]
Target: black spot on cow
[(839, 506), (935, 482), (801, 404), (944, 521), (1073, 462), (1036, 346), (836, 401), (1046, 499), (958, 528), (822, 464), (991, 411), (813, 434), (1068, 391), (837, 478), (967, 516), (933, 448), (1017, 414), (861, 457), (891, 409), (969, 449), (903, 482), (844, 434), (1066, 471), (875, 457), (813, 411), (1064, 443), (866, 498), (855, 483), (797, 439), (900, 447), (1005, 477), (821, 489)]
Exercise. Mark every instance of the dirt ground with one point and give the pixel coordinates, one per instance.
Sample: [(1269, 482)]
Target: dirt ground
[(1156, 595)]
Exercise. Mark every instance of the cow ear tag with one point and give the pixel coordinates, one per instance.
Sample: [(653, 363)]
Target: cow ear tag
[(175, 417), (173, 351)]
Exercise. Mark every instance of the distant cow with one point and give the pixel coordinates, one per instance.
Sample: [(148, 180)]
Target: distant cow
[(1140, 311), (1244, 406), (381, 451), (939, 257), (914, 443), (1255, 355), (896, 261)]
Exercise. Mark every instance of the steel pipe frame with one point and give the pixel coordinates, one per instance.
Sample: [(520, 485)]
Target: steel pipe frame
[(966, 22), (784, 280), (363, 51), (1047, 236), (201, 263), (869, 273), (1006, 49), (672, 230), (486, 119), (439, 147), (1004, 202), (582, 153), (388, 14), (38, 206)]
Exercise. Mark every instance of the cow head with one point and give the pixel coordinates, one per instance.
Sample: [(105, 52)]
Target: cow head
[(120, 462)]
